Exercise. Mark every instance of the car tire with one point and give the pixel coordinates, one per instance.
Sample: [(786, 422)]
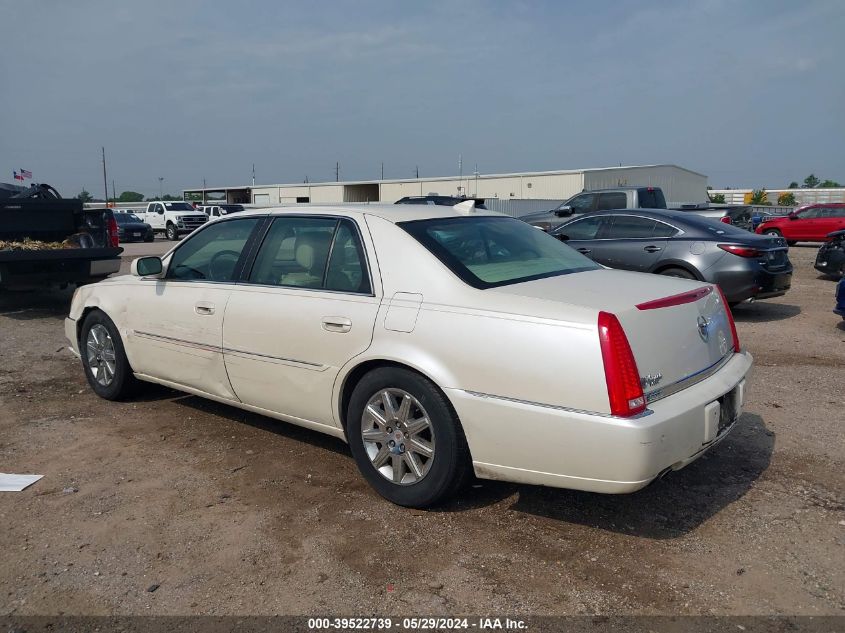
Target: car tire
[(423, 480), (104, 358), (172, 232), (675, 271), (791, 242), (772, 233)]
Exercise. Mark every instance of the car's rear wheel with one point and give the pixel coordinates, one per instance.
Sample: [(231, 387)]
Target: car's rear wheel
[(406, 438), (104, 358), (172, 232), (677, 272)]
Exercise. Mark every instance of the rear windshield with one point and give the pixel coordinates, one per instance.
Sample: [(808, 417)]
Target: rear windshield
[(651, 198), (487, 252), (123, 218)]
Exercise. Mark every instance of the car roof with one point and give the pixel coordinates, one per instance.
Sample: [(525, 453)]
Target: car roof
[(656, 214), (391, 212)]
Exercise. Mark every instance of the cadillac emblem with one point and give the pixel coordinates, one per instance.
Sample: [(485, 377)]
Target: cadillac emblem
[(703, 328)]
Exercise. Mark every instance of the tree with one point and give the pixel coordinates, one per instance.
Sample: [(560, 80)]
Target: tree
[(131, 196), (85, 196), (167, 196), (793, 185), (829, 184), (811, 182), (759, 197), (717, 198), (787, 199)]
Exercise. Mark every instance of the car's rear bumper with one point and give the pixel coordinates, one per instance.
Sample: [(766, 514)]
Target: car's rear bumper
[(530, 443), (752, 282)]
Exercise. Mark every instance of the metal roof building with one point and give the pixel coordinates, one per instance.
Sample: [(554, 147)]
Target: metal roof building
[(679, 185)]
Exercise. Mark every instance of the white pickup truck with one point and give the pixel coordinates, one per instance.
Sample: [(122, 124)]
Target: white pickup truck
[(174, 219)]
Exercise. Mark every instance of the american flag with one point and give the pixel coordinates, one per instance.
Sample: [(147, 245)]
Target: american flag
[(26, 173), (17, 176)]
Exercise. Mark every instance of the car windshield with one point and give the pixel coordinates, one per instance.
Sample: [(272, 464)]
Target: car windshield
[(124, 218), (179, 206), (487, 252)]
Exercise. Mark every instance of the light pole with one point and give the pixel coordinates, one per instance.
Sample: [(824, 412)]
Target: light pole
[(160, 187)]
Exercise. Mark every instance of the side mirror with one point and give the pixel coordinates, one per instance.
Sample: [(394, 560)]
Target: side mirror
[(792, 215), (147, 267), (562, 237), (563, 211)]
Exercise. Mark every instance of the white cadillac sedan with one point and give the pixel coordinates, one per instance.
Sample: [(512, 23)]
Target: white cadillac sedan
[(436, 341)]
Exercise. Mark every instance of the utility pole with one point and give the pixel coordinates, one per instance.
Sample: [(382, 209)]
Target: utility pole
[(105, 178), (203, 190), (337, 171), (382, 170), (253, 174), (418, 172), (113, 192), (476, 180), (160, 187)]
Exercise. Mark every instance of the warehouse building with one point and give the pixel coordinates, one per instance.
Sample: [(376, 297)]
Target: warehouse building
[(533, 190)]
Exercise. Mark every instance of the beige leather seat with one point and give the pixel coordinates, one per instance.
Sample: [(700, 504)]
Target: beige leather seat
[(310, 252)]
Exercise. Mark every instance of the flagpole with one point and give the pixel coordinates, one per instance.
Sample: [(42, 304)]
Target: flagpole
[(105, 179)]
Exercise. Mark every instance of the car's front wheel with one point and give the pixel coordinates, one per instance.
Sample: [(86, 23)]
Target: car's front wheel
[(104, 358), (172, 232), (406, 438)]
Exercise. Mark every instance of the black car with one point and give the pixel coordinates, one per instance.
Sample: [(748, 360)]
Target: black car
[(681, 244), (445, 201), (830, 259), (131, 228)]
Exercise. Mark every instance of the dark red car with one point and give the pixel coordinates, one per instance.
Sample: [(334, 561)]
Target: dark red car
[(810, 223)]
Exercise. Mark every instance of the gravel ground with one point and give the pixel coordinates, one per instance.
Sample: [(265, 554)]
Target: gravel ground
[(171, 504)]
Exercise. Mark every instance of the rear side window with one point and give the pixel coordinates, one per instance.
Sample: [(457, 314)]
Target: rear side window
[(617, 200), (651, 198), (661, 229), (317, 253), (630, 227)]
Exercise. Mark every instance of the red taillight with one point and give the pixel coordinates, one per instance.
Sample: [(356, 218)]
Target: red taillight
[(726, 220), (730, 319), (742, 251), (114, 239), (620, 369)]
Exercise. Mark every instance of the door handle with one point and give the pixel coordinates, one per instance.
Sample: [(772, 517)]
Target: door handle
[(204, 309), (652, 249), (337, 324), (584, 251)]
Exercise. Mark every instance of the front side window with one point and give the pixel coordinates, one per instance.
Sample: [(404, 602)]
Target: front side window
[(486, 252), (582, 203), (317, 253), (809, 214), (212, 253), (585, 229)]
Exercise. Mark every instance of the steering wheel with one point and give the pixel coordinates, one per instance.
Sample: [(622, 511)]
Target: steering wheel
[(222, 265)]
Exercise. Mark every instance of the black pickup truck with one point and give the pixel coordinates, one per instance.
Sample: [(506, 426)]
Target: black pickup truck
[(49, 241)]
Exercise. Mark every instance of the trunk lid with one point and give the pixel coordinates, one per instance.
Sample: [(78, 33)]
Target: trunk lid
[(673, 342)]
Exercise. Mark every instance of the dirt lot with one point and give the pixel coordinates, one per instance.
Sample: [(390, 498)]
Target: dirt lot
[(230, 513)]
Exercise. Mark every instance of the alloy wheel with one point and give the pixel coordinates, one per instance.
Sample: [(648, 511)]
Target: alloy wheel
[(99, 348), (398, 436)]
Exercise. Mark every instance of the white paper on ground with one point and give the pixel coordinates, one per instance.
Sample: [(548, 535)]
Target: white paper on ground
[(16, 483)]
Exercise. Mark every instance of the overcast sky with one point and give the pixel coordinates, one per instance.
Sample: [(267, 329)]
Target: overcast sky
[(749, 93)]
